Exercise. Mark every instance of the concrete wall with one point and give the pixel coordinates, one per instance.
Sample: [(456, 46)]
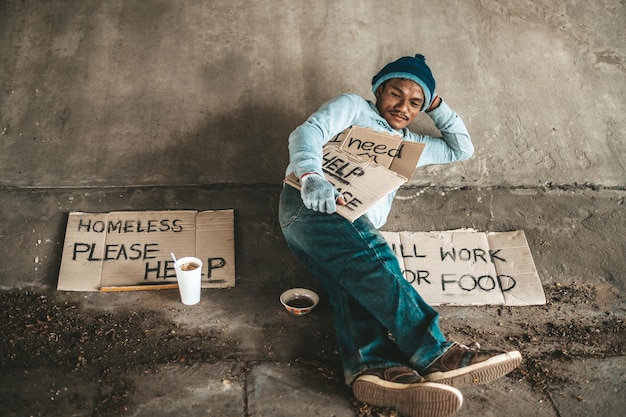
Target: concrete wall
[(165, 92)]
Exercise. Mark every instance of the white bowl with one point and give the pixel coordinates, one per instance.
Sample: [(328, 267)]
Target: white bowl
[(299, 301)]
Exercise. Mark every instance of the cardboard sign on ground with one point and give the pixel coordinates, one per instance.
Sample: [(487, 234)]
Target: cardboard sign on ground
[(130, 250), (365, 166), (465, 267)]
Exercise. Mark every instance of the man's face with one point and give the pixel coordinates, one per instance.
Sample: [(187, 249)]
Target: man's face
[(399, 101)]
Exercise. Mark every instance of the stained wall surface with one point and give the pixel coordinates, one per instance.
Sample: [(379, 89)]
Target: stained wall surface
[(159, 92)]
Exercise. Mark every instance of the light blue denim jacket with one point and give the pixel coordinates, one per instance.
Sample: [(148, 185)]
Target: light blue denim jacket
[(308, 139)]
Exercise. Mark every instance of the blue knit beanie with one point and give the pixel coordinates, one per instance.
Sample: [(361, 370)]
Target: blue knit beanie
[(411, 68)]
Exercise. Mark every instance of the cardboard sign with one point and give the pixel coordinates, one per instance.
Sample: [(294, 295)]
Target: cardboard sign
[(365, 166), (390, 151), (466, 267), (132, 250)]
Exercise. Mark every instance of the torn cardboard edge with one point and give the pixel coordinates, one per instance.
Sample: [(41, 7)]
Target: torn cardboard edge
[(465, 267), (131, 250), (365, 166)]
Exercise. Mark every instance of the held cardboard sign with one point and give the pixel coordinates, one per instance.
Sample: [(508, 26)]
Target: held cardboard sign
[(464, 267), (129, 250), (365, 166), (387, 150)]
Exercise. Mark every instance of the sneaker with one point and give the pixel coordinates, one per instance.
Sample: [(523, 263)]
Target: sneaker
[(404, 390), (462, 365)]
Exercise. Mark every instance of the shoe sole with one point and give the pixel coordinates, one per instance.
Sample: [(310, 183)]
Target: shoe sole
[(426, 399), (479, 373)]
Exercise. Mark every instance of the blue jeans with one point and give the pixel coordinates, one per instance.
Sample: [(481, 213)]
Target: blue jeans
[(370, 297)]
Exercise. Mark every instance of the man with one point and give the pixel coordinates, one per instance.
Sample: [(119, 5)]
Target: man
[(415, 371)]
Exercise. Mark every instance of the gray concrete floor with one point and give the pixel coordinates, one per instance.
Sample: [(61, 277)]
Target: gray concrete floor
[(260, 361)]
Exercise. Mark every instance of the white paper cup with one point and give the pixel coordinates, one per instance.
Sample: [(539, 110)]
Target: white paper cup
[(189, 280)]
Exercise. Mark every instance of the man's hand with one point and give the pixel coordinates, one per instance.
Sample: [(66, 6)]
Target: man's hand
[(318, 194), (435, 103)]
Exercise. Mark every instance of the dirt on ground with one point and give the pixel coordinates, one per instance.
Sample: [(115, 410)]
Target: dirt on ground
[(41, 331)]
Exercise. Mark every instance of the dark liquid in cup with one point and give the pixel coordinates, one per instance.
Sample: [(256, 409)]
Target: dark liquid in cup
[(189, 266), (300, 302)]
